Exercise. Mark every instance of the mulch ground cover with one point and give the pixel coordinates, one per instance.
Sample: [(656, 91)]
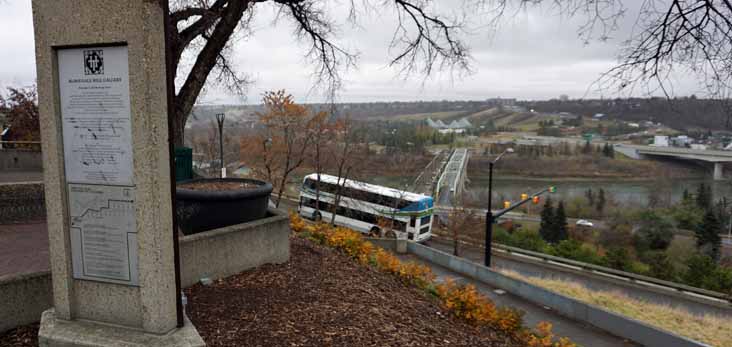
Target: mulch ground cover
[(318, 298), (25, 336), (323, 298)]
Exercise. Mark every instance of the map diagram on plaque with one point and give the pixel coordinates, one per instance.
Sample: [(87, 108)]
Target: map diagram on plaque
[(103, 232)]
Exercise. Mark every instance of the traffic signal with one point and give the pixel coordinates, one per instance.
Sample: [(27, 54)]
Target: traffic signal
[(535, 200), (506, 204), (552, 189), (524, 196)]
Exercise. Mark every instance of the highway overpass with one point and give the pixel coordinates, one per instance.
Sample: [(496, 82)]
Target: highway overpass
[(716, 158)]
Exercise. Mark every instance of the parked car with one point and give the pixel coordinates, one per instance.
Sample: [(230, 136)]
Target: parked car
[(584, 223)]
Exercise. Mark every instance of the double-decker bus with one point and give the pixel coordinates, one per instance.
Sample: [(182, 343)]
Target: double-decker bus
[(367, 208)]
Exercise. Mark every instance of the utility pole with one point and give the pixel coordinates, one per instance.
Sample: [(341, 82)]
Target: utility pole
[(220, 121), (489, 218), (489, 214)]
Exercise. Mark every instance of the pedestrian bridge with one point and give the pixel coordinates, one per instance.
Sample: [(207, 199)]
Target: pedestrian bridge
[(716, 158)]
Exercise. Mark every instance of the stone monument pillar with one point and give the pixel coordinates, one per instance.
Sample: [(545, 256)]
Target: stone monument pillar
[(103, 106)]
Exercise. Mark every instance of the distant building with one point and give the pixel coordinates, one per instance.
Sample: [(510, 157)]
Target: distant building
[(682, 141), (456, 126), (564, 97), (660, 141)]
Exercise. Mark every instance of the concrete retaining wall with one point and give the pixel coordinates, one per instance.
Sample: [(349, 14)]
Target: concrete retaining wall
[(611, 322), (21, 160), (21, 202), (226, 251), (23, 298), (213, 254)]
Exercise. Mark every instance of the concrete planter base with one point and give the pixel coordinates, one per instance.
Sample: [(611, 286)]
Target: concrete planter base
[(56, 332), (230, 250)]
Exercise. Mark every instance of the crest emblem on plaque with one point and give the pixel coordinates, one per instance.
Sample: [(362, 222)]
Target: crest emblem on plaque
[(94, 62)]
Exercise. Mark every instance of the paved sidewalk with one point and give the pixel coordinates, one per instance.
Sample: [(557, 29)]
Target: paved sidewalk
[(23, 248), (579, 332)]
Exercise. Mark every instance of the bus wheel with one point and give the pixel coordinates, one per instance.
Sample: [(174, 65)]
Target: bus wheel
[(390, 234), (375, 232), (317, 217)]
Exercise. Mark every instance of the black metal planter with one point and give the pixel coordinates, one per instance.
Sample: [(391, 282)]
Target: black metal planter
[(201, 210)]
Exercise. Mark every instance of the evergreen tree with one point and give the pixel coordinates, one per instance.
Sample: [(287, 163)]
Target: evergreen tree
[(660, 265), (707, 236), (600, 200), (590, 196), (610, 151), (699, 267), (686, 197), (560, 223), (587, 149), (546, 228), (617, 258), (655, 232), (704, 196)]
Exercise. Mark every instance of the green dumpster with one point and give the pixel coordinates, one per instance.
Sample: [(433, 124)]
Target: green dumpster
[(183, 163)]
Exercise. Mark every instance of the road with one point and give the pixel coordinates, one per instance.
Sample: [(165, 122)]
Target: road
[(578, 332), (444, 212), (593, 282)]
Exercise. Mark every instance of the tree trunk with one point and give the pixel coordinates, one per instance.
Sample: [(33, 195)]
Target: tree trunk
[(205, 62), (179, 126)]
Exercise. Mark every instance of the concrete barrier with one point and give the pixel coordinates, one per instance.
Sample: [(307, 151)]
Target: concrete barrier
[(24, 298), (21, 202), (613, 323), (226, 251)]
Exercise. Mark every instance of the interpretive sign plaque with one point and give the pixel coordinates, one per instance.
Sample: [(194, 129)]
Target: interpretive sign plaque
[(97, 136), (95, 107)]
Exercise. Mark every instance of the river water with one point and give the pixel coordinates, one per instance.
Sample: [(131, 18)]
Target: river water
[(632, 192)]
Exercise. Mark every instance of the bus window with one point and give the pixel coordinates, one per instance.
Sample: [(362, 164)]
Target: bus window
[(425, 220)]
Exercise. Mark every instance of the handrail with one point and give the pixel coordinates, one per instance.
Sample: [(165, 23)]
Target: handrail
[(617, 273)]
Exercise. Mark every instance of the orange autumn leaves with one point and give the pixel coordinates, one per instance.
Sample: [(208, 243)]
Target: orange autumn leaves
[(463, 301)]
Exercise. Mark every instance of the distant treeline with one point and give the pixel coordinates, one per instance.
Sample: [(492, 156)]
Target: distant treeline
[(679, 113)]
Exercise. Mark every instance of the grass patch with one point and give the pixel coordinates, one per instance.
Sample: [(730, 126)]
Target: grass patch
[(710, 329)]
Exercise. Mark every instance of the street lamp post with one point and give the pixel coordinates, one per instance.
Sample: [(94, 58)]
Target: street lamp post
[(220, 121), (489, 213)]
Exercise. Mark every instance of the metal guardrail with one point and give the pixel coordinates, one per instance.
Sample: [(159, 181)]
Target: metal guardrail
[(612, 273)]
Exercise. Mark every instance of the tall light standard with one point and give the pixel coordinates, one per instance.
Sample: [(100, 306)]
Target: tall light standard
[(489, 213), (220, 121)]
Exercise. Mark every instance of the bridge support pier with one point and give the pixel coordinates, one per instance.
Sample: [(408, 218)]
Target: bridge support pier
[(718, 173)]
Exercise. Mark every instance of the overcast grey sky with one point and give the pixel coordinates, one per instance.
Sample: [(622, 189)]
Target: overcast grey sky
[(533, 55)]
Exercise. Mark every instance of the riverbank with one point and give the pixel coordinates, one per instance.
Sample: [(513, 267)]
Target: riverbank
[(588, 167)]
